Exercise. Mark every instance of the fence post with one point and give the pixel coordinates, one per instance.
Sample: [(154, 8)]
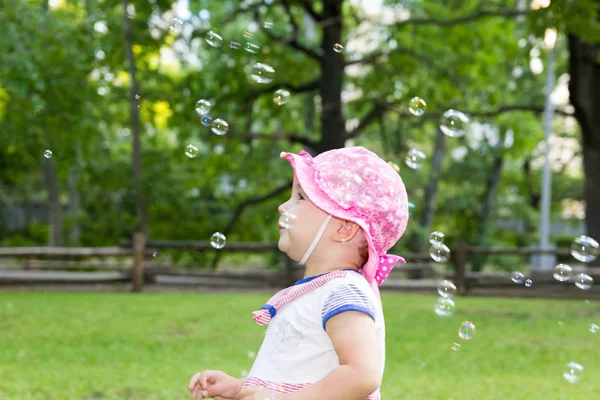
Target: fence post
[(137, 273), (461, 257)]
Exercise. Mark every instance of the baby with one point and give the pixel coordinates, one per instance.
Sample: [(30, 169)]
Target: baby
[(326, 334)]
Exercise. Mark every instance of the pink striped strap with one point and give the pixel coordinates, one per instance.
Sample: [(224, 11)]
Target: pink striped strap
[(287, 388), (287, 295)]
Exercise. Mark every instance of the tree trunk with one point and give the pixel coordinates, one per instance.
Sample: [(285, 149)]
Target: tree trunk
[(333, 130), (135, 125), (491, 189), (431, 191), (55, 214), (74, 207), (584, 88)]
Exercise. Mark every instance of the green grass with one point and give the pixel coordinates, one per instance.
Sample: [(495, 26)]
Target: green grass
[(123, 346)]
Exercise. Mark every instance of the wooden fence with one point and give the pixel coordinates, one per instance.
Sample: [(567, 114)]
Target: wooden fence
[(137, 267)]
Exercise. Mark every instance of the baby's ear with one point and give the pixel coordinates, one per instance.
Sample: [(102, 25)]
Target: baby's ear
[(346, 231)]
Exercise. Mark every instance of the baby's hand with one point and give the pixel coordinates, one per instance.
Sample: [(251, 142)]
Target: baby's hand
[(259, 393), (214, 384)]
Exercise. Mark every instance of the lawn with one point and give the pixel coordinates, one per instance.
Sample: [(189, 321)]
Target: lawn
[(124, 346)]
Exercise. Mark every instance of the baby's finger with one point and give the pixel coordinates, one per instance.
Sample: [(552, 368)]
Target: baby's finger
[(194, 381)]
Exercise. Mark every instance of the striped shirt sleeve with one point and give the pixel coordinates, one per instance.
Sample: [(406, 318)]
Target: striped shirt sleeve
[(346, 297)]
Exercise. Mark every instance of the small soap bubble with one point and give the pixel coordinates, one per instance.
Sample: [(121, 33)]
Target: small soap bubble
[(234, 45), (446, 288), (572, 372), (251, 48), (584, 281), (584, 249), (454, 123), (155, 254), (248, 34), (528, 282), (594, 328), (203, 107), (218, 240), (268, 25), (411, 207), (243, 373), (251, 354), (219, 127), (130, 11), (517, 277), (287, 220), (415, 159), (560, 323), (394, 165), (176, 25), (436, 237), (48, 154), (455, 347), (191, 151), (466, 330), (262, 73), (417, 106), (562, 272), (338, 48), (206, 120), (444, 306), (439, 252), (281, 96), (213, 39)]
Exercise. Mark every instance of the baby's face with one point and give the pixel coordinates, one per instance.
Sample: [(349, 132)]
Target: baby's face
[(294, 240)]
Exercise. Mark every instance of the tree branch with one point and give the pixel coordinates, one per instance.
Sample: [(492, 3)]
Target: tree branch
[(307, 5), (380, 108), (253, 201), (304, 87), (292, 41), (237, 213), (464, 19), (291, 137)]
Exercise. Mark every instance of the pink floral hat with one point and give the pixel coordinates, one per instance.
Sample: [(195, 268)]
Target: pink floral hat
[(354, 184)]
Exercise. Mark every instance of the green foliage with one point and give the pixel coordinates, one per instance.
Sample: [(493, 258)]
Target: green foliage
[(65, 86)]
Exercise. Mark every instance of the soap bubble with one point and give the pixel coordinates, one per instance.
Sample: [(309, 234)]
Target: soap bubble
[(455, 347), (287, 220), (528, 282), (411, 207), (281, 97), (572, 372), (203, 107), (415, 159), (338, 48), (206, 120), (594, 328), (417, 106), (219, 127), (584, 281), (466, 330), (454, 123), (562, 272), (213, 39), (234, 45), (444, 307), (517, 277), (251, 48), (218, 240), (446, 288), (251, 355), (191, 151), (439, 252), (436, 237), (176, 25), (584, 249), (48, 153), (155, 254), (262, 73)]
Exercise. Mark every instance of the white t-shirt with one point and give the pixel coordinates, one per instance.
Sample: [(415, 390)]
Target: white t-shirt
[(297, 351)]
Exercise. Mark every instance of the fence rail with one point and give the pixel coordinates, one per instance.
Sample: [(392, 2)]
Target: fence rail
[(137, 266)]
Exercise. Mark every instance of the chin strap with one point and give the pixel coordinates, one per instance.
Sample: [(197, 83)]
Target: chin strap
[(315, 241)]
